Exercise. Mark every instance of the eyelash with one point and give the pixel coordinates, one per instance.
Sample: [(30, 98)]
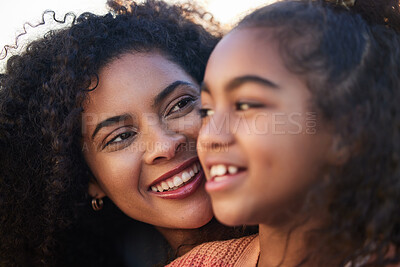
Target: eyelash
[(205, 112), (185, 100), (249, 105), (113, 142), (126, 135)]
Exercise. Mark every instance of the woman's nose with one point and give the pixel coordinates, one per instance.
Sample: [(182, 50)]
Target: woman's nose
[(162, 144)]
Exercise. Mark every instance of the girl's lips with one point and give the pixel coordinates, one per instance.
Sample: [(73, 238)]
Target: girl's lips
[(225, 182), (184, 191)]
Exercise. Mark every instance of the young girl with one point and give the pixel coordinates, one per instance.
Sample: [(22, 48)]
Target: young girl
[(300, 135)]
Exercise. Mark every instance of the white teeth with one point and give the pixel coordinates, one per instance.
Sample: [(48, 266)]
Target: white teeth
[(185, 176), (164, 185), (170, 183), (232, 169), (159, 188), (177, 181), (213, 171), (222, 170)]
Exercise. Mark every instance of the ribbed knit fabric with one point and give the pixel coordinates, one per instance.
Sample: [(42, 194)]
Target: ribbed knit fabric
[(230, 253)]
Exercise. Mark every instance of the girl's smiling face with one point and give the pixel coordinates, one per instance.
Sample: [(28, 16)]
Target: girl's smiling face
[(261, 144), (140, 127)]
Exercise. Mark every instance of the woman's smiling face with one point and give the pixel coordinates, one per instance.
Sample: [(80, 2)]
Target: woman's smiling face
[(140, 127)]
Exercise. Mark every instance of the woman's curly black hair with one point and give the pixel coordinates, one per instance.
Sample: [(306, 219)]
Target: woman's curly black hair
[(350, 60), (44, 202)]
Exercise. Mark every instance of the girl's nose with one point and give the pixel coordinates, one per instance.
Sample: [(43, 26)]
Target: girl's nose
[(216, 132)]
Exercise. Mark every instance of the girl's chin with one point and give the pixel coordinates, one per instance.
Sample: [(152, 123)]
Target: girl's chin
[(230, 220), (230, 215)]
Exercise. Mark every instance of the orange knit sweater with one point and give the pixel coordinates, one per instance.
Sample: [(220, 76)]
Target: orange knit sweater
[(230, 253)]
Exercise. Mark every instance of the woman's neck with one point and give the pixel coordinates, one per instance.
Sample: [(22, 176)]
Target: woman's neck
[(179, 237)]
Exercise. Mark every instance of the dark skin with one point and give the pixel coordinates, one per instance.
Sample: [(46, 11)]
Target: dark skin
[(252, 92), (144, 109)]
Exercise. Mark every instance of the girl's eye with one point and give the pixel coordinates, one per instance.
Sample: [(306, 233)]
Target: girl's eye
[(205, 112), (120, 138), (242, 106), (180, 105)]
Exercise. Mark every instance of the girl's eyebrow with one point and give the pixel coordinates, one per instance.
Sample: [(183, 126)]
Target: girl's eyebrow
[(235, 83), (109, 122)]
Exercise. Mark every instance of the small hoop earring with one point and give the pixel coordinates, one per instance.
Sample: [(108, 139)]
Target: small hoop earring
[(97, 204)]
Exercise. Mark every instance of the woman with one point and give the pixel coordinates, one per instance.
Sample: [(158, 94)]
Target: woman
[(107, 107)]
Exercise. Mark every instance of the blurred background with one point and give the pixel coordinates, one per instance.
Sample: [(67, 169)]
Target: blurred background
[(14, 14)]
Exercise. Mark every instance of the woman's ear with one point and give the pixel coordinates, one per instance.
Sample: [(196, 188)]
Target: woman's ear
[(338, 153), (95, 189)]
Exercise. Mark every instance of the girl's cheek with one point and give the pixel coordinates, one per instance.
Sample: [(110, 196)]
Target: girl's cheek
[(258, 125), (261, 123)]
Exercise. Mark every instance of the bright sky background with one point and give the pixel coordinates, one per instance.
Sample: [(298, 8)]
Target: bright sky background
[(13, 14)]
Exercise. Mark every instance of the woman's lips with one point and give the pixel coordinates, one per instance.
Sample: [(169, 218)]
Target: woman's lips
[(176, 179), (175, 171), (179, 182), (184, 191)]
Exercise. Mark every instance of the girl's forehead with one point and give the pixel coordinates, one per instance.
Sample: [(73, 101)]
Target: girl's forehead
[(245, 38), (251, 45), (242, 53)]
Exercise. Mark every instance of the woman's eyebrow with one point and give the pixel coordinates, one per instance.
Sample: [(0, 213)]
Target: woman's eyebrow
[(108, 122), (168, 90)]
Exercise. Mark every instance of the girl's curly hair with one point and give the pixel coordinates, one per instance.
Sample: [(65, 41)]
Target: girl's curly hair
[(44, 202), (350, 60)]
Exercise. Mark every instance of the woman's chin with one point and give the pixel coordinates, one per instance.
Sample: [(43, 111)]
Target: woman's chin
[(188, 223), (195, 222)]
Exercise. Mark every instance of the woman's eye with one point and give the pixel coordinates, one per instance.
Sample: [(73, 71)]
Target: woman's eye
[(180, 105), (245, 106), (120, 138), (205, 112)]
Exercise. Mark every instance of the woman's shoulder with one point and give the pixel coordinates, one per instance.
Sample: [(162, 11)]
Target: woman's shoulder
[(221, 253)]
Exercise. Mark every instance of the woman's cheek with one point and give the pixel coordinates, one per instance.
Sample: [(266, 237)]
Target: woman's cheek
[(188, 125)]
